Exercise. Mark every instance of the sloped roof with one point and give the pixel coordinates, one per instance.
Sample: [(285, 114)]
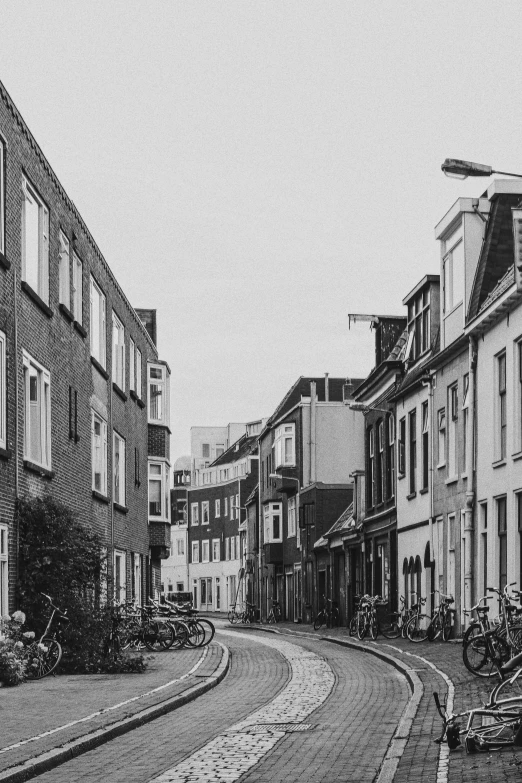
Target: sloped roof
[(241, 448), (502, 285), (301, 388), (345, 522), (253, 495), (399, 349)]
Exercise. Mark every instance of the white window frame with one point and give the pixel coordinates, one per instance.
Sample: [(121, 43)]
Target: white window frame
[(132, 365), (2, 197), (98, 326), (158, 478), (35, 272), (205, 512), (195, 551), (216, 550), (4, 568), (158, 399), (225, 510), (44, 401), (121, 595), (118, 352), (194, 514), (284, 438), (227, 548), (217, 508), (3, 391), (139, 391), (77, 284), (205, 551), (452, 431), (137, 578), (180, 547), (271, 512), (451, 298), (102, 447), (292, 515), (64, 271), (232, 547), (119, 488)]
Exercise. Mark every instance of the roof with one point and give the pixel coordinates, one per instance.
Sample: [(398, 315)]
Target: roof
[(253, 496), (503, 284), (301, 388), (243, 447), (345, 522)]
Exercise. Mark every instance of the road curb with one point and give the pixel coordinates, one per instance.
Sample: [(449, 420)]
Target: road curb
[(53, 758), (401, 735)]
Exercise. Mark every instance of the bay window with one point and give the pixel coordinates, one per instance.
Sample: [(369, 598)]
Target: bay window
[(99, 453), (158, 489), (158, 394), (119, 469), (273, 522), (284, 446), (37, 424), (35, 241)]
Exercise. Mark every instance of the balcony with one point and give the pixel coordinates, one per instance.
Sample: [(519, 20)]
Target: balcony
[(274, 553)]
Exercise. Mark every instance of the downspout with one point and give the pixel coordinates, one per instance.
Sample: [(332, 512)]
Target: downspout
[(471, 483), (313, 419), (16, 418), (432, 469)]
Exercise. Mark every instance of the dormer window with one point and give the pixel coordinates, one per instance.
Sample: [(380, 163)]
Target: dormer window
[(419, 325), (453, 270)]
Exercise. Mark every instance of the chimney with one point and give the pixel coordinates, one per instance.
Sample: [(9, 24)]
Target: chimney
[(326, 388)]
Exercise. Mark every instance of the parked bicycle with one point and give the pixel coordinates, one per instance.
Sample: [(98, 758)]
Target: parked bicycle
[(441, 621), (418, 624), (484, 649), (329, 615), (395, 623), (275, 615), (42, 656)]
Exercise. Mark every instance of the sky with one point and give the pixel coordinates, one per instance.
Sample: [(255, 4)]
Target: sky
[(256, 171)]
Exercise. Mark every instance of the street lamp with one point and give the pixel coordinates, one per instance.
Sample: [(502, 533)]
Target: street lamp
[(283, 478), (360, 406), (461, 169)]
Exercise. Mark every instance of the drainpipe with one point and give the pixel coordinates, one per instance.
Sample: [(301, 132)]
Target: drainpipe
[(313, 419), (471, 483), (429, 383), (16, 419), (326, 388)]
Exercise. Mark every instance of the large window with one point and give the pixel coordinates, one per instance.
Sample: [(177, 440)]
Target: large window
[(120, 576), (99, 453), (97, 323), (158, 397), (77, 281), (441, 420), (412, 422), (205, 512), (3, 390), (453, 407), (273, 522), (119, 469), (118, 352), (4, 566), (502, 541), (292, 516), (425, 445), (37, 425), (402, 447), (194, 514), (64, 271), (284, 446), (453, 270), (501, 407), (390, 466), (419, 323), (35, 241)]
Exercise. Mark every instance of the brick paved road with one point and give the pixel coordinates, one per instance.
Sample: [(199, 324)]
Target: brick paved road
[(352, 725)]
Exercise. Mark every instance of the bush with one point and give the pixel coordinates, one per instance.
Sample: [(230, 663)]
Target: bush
[(60, 557)]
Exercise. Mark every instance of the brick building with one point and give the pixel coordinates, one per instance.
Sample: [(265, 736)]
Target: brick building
[(76, 369)]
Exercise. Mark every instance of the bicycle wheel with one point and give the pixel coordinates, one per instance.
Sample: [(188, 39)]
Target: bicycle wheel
[(181, 634), (483, 657), (434, 629), (446, 626), (373, 628), (509, 694), (417, 629), (335, 617), (352, 628), (390, 627), (158, 636), (362, 626), (43, 658), (232, 616), (196, 634), (319, 621), (209, 629)]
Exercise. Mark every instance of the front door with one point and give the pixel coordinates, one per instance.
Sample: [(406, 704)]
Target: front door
[(205, 586)]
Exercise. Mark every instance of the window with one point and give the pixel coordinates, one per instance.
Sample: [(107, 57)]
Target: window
[(412, 422), (119, 469), (519, 528), (137, 472), (73, 415), (220, 449), (156, 489), (195, 551), (232, 507), (77, 281), (180, 587), (64, 271), (442, 437), (97, 323), (465, 411), (237, 509), (272, 518), (35, 241), (284, 445), (502, 408), (225, 511), (4, 568), (136, 578), (3, 386), (484, 544), (205, 450), (453, 406), (380, 462), (217, 508), (158, 398), (205, 551), (181, 547), (425, 446), (194, 514), (120, 576), (138, 374), (402, 447), (132, 365), (216, 550), (419, 324), (205, 512), (99, 453), (2, 213), (390, 467), (227, 548), (238, 548), (453, 270), (502, 541), (37, 425), (371, 466), (292, 516), (118, 352)]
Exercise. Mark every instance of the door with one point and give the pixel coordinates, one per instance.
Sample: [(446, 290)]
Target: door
[(205, 586), (289, 597)]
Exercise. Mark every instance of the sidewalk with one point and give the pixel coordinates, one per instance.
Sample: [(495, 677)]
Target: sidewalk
[(439, 667), (46, 721)]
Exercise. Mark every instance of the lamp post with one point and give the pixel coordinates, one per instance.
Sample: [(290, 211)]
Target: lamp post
[(360, 406), (461, 169)]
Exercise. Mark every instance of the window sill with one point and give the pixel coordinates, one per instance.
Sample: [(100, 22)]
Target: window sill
[(498, 463), (517, 455), (452, 480), (4, 262), (411, 496), (119, 392), (79, 328), (122, 509), (140, 403), (424, 490), (98, 496), (5, 453), (36, 299), (101, 370), (66, 312), (39, 469)]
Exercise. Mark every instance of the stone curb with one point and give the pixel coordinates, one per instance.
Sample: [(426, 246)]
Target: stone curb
[(53, 758), (401, 735)]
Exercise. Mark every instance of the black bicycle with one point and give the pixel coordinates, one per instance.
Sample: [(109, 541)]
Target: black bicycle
[(329, 615)]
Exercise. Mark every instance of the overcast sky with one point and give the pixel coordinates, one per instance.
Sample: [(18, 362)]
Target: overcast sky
[(257, 170)]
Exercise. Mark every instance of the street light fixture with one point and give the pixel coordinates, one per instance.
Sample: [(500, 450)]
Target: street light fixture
[(283, 478), (360, 406), (461, 169)]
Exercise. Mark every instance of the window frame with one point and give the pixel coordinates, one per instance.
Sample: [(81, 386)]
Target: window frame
[(194, 517), (205, 545), (412, 451), (77, 288), (98, 347), (291, 511), (501, 378), (118, 351), (119, 470), (2, 198), (216, 544), (425, 429), (3, 390), (454, 240), (401, 448), (44, 380), (121, 556), (4, 569), (103, 438), (195, 552), (271, 511), (30, 192), (501, 520), (205, 512), (162, 395), (284, 434), (64, 270), (390, 465), (161, 479), (217, 508), (132, 365)]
